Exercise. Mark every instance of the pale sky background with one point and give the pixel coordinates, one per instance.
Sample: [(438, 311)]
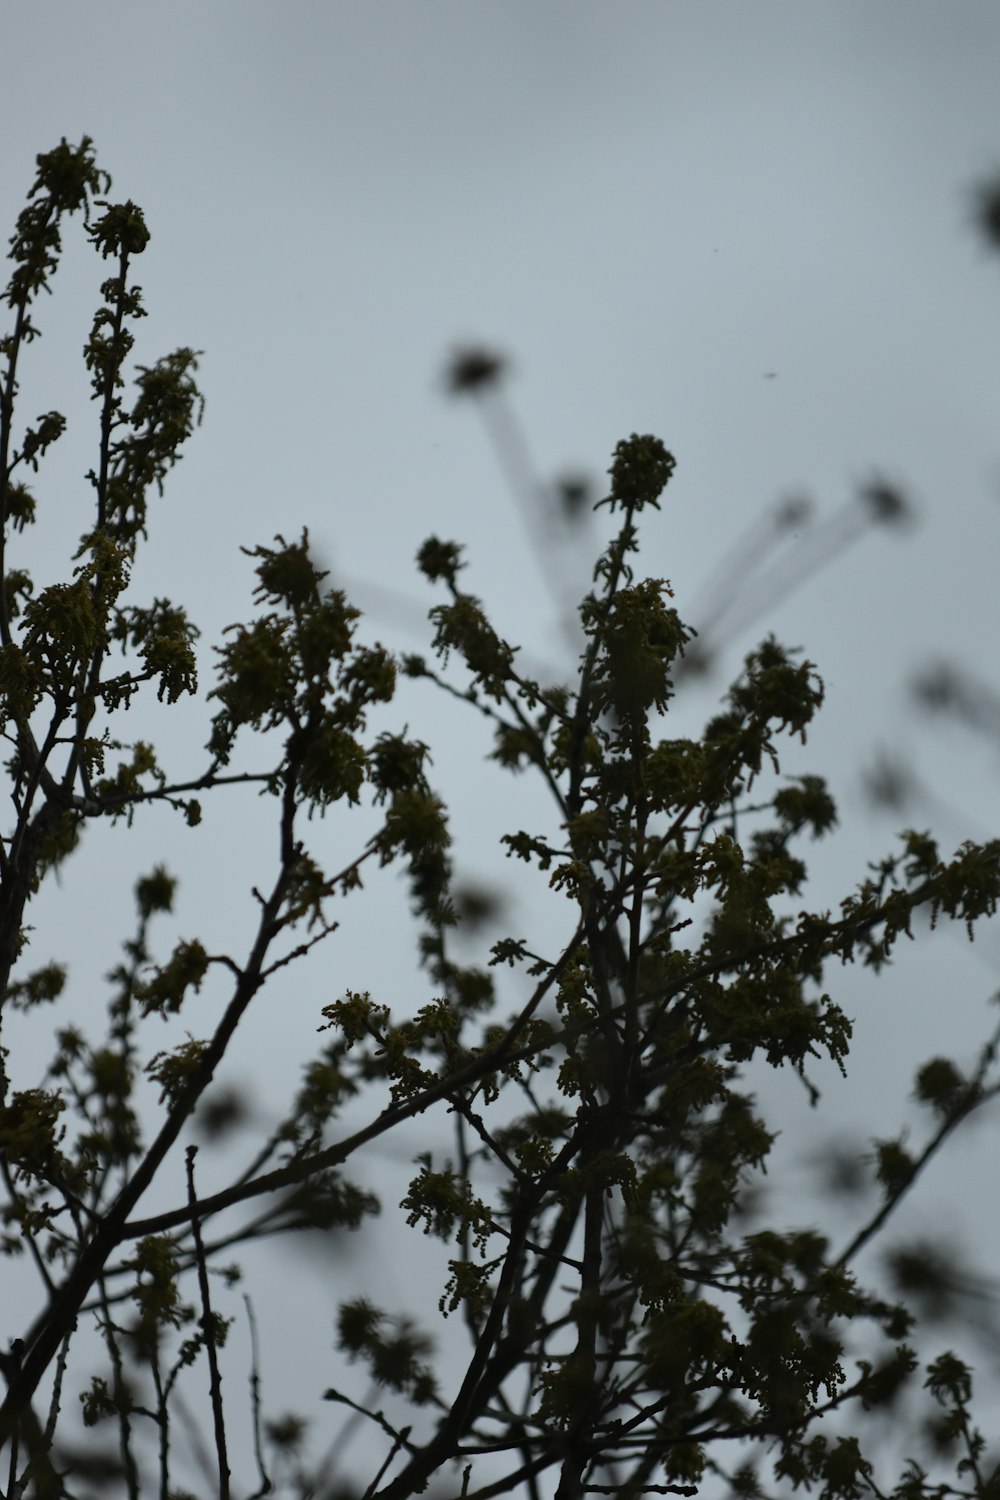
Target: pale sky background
[(653, 209)]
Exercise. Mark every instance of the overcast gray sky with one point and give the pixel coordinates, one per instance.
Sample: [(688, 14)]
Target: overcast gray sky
[(745, 228)]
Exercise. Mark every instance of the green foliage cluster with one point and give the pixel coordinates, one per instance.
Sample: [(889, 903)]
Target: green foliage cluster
[(632, 1330)]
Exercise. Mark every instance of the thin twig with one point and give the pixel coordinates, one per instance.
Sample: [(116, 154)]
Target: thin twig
[(265, 1478), (208, 1325)]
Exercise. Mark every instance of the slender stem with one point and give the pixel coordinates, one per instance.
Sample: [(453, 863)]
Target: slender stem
[(208, 1329)]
